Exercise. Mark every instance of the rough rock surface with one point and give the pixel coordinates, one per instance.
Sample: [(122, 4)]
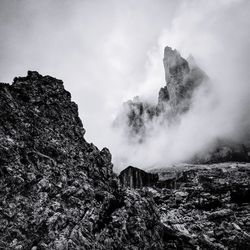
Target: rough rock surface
[(135, 178), (204, 206), (56, 190), (59, 192), (181, 81)]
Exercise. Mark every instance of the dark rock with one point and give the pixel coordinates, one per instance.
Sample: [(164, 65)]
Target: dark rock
[(136, 178), (163, 98), (208, 205), (135, 117), (182, 79), (223, 151), (57, 190)]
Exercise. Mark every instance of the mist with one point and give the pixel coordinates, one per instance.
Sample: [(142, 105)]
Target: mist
[(107, 52)]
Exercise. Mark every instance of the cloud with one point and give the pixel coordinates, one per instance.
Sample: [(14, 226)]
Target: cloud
[(217, 35), (97, 47)]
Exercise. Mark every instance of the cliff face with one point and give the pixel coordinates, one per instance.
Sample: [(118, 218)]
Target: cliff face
[(181, 79), (136, 178)]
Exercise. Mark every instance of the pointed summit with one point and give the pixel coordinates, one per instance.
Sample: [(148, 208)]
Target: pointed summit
[(181, 78), (175, 66), (174, 98)]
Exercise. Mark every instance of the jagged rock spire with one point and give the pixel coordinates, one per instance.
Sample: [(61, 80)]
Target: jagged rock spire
[(175, 66), (181, 81), (174, 98)]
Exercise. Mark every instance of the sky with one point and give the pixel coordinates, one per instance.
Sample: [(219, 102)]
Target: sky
[(108, 51)]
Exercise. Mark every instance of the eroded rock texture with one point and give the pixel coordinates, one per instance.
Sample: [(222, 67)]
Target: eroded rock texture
[(56, 190), (204, 206), (182, 79), (136, 178)]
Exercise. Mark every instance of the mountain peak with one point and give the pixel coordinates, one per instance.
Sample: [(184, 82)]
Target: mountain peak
[(173, 99), (175, 66)]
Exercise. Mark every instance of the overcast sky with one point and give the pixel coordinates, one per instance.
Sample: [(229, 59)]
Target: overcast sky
[(99, 48), (107, 51)]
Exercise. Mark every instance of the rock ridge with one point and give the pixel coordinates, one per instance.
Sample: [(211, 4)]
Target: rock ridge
[(57, 191)]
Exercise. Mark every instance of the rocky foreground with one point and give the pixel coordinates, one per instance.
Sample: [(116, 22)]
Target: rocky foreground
[(205, 205), (59, 192)]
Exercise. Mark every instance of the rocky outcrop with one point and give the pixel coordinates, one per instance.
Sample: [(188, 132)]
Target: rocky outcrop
[(204, 206), (136, 178), (58, 191), (181, 79), (209, 204)]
